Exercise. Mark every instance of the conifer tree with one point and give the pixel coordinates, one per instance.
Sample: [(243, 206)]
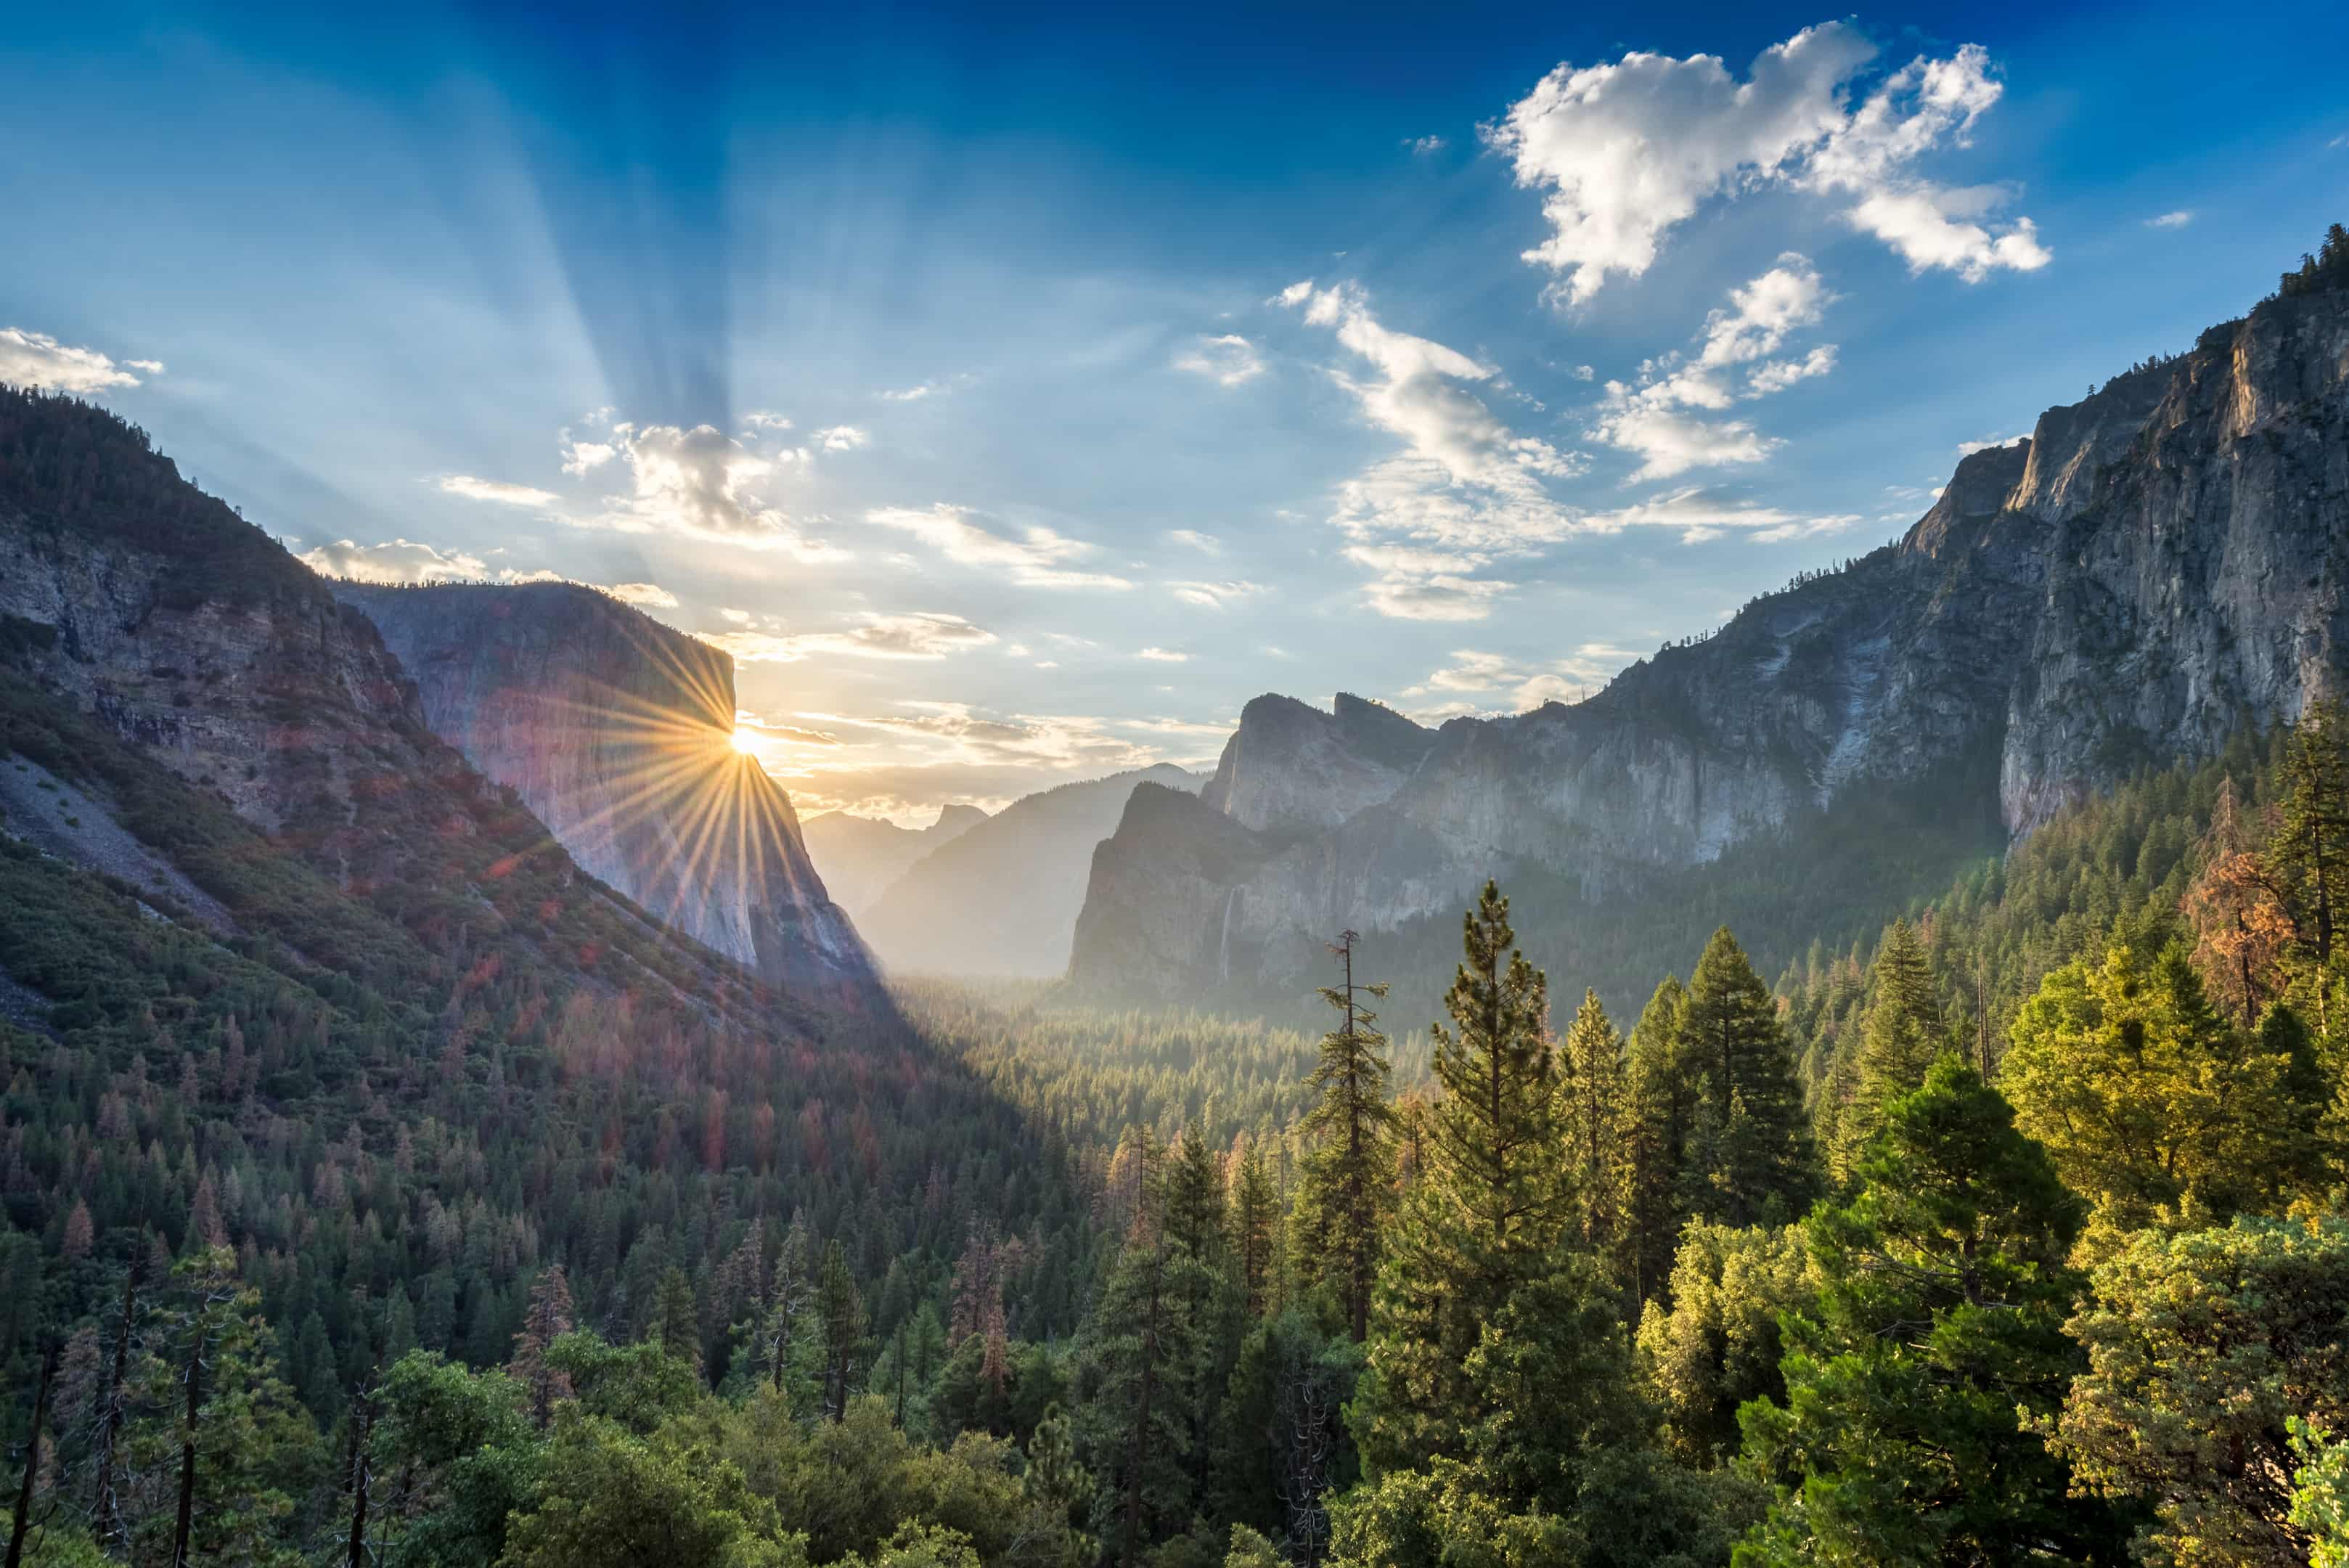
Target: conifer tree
[(1750, 1160), (1144, 1373), (1660, 1103), (841, 1312), (1349, 1168), (1255, 1218), (2309, 855), (1592, 1116), (1194, 1195), (1898, 1043), (676, 1322), (1488, 1213), (1945, 1296), (546, 1320)]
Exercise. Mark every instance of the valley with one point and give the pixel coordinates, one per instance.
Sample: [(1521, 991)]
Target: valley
[(1767, 1111)]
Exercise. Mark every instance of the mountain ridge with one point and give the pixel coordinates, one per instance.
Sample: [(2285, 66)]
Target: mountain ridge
[(2153, 568)]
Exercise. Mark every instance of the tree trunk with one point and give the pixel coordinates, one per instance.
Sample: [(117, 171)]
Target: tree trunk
[(1142, 1419), (183, 1532), (362, 1427), (24, 1521), (106, 1520)]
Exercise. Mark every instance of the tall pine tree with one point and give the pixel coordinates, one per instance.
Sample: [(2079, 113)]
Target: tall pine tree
[(1488, 1212), (1898, 1043), (1658, 1105), (1750, 1160), (1592, 1114), (1348, 1189)]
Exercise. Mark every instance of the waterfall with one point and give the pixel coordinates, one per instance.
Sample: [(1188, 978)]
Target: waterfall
[(1224, 940)]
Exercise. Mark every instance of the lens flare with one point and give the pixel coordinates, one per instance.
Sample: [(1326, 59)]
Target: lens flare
[(747, 741)]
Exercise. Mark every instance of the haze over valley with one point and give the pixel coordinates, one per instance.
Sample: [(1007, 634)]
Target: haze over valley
[(955, 790)]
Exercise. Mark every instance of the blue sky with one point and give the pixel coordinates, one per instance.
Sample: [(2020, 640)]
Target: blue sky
[(1019, 394)]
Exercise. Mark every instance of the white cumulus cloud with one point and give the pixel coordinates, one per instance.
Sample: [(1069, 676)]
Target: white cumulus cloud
[(37, 359), (394, 561), (1624, 152)]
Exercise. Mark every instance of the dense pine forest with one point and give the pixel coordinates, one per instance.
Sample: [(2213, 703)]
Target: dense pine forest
[(2013, 1235)]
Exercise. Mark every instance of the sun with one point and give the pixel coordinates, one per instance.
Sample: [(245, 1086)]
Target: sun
[(747, 741)]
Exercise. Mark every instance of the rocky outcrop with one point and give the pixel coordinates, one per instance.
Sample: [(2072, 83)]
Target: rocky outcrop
[(2154, 566), (1290, 768), (617, 732), (861, 858)]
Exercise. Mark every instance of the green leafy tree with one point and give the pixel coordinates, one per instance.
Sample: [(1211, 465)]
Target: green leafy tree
[(1144, 1365), (1749, 1158), (2309, 857), (1940, 1314), (613, 1499), (1059, 1488), (1716, 1346), (1193, 1203), (460, 1458), (2203, 1348), (2150, 1103), (677, 1321), (2320, 1494), (1485, 1216)]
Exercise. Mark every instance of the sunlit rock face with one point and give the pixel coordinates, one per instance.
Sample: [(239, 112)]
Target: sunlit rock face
[(2155, 566), (617, 732)]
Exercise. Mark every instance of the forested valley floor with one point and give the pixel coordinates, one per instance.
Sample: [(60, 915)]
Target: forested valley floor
[(2015, 1234)]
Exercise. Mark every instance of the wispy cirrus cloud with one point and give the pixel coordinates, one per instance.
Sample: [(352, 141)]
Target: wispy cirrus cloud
[(1214, 595), (1661, 418), (1032, 556), (1474, 681), (1466, 491), (498, 492), (916, 635), (1230, 360)]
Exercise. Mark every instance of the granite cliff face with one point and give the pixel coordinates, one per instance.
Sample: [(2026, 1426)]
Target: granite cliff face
[(145, 625), (618, 732), (201, 640), (2155, 566)]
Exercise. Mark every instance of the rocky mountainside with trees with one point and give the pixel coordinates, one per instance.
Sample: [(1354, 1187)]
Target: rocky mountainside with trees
[(375, 1188), (2154, 567)]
